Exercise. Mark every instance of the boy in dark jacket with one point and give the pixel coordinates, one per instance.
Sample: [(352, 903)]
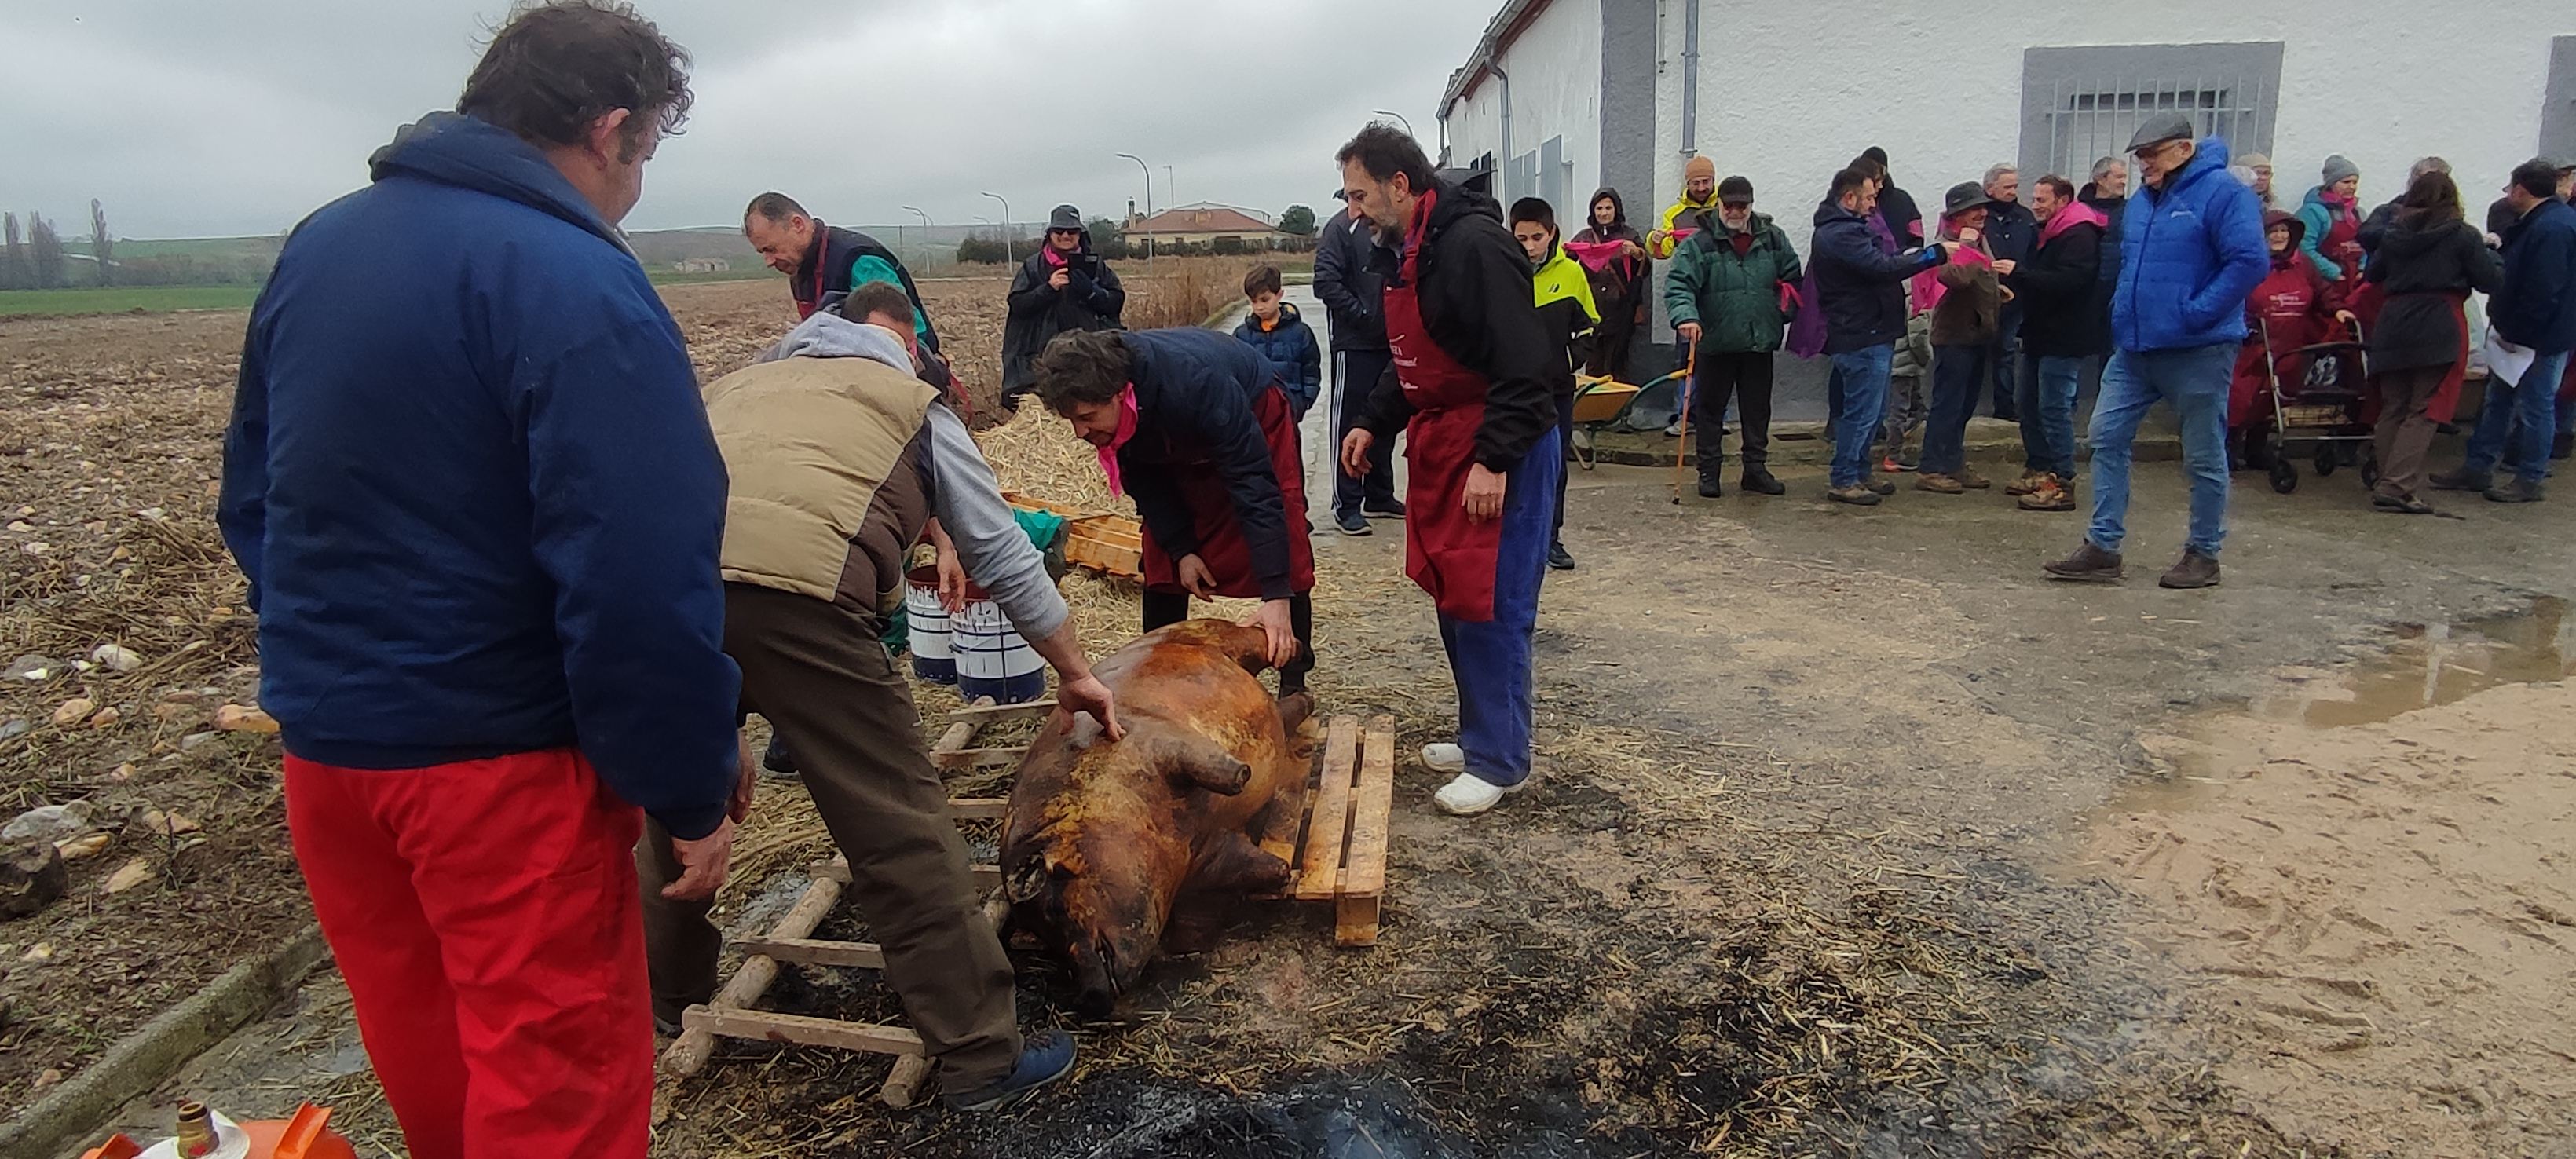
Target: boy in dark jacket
[(1970, 296), (479, 505), (2535, 309), (1727, 296), (1064, 286), (1274, 329), (2063, 324)]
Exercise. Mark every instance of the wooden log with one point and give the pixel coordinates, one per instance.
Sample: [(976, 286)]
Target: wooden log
[(903, 1085), (752, 978), (961, 733), (813, 952), (838, 869), (1320, 871), (953, 759), (979, 808), (984, 711), (1364, 878), (803, 1030)]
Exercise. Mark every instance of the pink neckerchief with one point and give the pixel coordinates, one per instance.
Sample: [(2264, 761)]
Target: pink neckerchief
[(2070, 215), (1055, 257), (1126, 430)]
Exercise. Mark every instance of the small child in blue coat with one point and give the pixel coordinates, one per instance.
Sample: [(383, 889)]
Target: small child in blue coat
[(1281, 336)]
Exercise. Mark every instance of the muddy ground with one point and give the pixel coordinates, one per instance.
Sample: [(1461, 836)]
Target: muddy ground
[(1835, 847)]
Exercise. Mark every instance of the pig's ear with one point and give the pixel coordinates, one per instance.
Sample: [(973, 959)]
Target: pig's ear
[(1199, 761)]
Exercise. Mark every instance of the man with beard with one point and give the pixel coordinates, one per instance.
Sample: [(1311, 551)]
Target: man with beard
[(1474, 389)]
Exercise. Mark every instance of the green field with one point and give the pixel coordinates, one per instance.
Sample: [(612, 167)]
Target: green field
[(124, 299)]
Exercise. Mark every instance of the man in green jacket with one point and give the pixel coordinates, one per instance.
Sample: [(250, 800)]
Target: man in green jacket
[(1729, 294)]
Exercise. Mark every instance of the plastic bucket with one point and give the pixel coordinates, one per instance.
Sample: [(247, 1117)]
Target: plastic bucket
[(933, 658), (992, 659)]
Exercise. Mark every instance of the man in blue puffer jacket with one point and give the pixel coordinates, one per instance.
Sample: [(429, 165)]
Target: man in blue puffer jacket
[(478, 503), (2191, 249)]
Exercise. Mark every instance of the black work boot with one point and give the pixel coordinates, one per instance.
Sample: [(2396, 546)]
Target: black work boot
[(2193, 570), (2463, 479), (2515, 491), (1757, 479), (1708, 485), (2089, 564)]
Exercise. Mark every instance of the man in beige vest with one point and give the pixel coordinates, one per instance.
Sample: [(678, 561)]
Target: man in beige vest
[(838, 457)]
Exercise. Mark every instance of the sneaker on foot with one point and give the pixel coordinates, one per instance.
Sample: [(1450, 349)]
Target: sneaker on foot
[(2028, 483), (1939, 484), (1045, 1056), (1385, 509), (1972, 480), (2463, 479), (2517, 491), (1558, 559), (1760, 482), (1857, 495), (1444, 758), (2089, 564), (1350, 523), (1468, 794), (2193, 570), (2051, 495)]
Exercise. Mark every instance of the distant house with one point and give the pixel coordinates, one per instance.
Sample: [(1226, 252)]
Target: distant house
[(1204, 225), (702, 265)]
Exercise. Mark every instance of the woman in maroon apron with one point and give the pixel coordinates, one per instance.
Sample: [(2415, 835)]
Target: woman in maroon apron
[(1194, 424)]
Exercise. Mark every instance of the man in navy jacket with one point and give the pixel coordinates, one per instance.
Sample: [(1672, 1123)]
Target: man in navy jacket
[(2191, 249), (474, 491), (2534, 309)]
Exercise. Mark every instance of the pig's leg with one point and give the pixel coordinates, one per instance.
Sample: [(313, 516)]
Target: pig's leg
[(1195, 759)]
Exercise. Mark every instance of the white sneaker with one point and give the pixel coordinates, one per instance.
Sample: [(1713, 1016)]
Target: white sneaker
[(1467, 795), (1444, 758)]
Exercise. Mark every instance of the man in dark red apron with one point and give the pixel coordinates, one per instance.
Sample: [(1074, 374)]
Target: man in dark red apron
[(1473, 387), (1195, 425)]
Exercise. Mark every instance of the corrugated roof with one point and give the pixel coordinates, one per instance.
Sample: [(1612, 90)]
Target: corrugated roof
[(1217, 219)]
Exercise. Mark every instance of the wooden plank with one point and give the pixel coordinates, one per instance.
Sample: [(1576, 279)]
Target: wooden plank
[(903, 1086), (961, 733), (978, 758), (1364, 873), (1364, 878), (838, 869), (1320, 870), (812, 952), (803, 1030), (979, 808), (752, 978), (984, 711)]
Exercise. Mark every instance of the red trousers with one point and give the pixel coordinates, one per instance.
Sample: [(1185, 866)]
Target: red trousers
[(484, 914)]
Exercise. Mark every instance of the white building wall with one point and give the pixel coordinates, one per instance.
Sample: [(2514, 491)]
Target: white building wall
[(1555, 69), (1790, 91)]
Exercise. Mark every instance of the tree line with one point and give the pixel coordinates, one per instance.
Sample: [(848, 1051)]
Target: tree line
[(33, 257), (1110, 241)]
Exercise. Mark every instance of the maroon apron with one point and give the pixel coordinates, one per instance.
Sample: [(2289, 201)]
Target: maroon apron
[(1221, 544), (1452, 557)]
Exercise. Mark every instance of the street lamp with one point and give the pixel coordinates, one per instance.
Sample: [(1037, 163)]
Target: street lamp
[(1171, 187), (1408, 125), (1149, 207), (1006, 221), (925, 230)]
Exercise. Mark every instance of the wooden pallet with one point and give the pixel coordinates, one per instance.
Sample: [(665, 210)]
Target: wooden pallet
[(1102, 541), (1333, 830)]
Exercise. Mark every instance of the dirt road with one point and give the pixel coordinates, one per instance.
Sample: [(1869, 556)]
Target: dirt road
[(1853, 837)]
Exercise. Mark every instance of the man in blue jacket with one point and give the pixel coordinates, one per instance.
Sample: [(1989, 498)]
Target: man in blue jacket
[(475, 493), (2534, 309), (1348, 284), (2191, 249)]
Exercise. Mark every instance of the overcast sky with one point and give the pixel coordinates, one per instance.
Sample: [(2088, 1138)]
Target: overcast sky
[(193, 118)]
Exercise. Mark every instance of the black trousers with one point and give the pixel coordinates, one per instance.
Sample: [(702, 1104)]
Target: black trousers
[(1745, 376), (1166, 608), (1355, 375)]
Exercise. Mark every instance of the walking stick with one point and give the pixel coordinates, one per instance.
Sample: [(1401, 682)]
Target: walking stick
[(1690, 379)]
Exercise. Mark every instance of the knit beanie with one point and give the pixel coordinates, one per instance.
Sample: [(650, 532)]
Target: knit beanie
[(2337, 169), (1698, 167)]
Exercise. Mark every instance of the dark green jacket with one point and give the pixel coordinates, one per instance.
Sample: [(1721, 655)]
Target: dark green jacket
[(1735, 299)]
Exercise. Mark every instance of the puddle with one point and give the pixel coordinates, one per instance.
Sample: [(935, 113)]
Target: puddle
[(2429, 665)]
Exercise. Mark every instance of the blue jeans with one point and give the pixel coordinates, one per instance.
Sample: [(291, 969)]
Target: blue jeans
[(2047, 406), (1860, 382), (1958, 375), (2194, 381), (2516, 423), (1492, 660)]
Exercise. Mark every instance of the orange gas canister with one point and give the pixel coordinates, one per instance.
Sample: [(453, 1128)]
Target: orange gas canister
[(204, 1134)]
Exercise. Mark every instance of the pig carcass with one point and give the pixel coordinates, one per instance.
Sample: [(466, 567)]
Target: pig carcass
[(1109, 845)]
